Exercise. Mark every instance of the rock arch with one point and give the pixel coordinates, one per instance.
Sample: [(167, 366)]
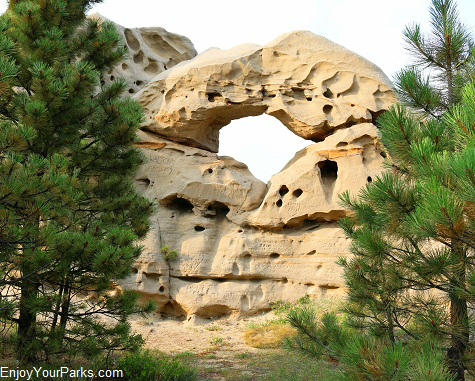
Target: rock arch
[(312, 85)]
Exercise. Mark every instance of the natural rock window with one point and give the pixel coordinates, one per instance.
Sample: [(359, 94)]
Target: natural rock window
[(263, 143)]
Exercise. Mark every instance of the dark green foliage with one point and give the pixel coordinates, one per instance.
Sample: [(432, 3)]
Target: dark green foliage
[(412, 228), (145, 366), (69, 214), (410, 281), (412, 233), (448, 55), (360, 356)]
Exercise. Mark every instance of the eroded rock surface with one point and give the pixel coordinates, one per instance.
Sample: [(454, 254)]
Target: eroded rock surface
[(312, 85), (243, 244), (150, 52)]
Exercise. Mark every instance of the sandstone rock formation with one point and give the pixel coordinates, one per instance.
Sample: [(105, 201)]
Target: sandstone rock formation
[(310, 84), (243, 244), (150, 52)]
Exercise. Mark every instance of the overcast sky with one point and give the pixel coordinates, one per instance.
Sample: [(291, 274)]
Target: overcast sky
[(371, 28)]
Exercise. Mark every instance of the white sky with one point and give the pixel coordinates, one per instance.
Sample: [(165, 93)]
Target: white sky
[(371, 28)]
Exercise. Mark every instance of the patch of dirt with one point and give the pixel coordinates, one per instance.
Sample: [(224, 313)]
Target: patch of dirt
[(172, 336)]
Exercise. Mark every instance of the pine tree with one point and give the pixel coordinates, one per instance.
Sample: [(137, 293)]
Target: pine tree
[(70, 216), (444, 61), (411, 228)]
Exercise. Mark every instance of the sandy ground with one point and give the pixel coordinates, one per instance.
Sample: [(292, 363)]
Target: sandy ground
[(172, 336)]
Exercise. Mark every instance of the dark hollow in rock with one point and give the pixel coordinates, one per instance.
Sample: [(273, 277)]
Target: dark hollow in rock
[(218, 209), (297, 193), (283, 190), (179, 204), (328, 170)]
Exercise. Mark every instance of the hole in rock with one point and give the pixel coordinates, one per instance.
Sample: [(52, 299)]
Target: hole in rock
[(131, 39), (283, 190), (212, 96), (161, 289), (142, 184), (297, 193), (179, 204), (112, 77), (279, 203), (328, 94), (369, 179), (131, 91), (298, 93), (261, 142), (138, 57), (151, 276), (328, 171), (274, 256), (134, 270), (329, 287), (199, 228), (210, 170), (151, 68), (218, 209), (172, 308), (383, 154), (327, 109), (125, 66)]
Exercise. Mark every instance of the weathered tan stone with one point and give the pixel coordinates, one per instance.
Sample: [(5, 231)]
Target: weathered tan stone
[(150, 52), (243, 244), (312, 85), (238, 249), (307, 188)]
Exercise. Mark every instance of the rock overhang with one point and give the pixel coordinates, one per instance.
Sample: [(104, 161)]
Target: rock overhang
[(312, 85)]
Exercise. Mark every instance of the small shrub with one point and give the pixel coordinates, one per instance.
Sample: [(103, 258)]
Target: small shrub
[(169, 255), (217, 341), (146, 366)]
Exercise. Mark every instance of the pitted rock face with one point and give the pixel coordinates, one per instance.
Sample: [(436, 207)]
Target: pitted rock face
[(312, 85), (243, 244), (150, 52)]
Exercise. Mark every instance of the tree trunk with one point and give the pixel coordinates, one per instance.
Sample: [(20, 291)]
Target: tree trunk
[(64, 314), (460, 334), (27, 318), (390, 323), (57, 307)]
